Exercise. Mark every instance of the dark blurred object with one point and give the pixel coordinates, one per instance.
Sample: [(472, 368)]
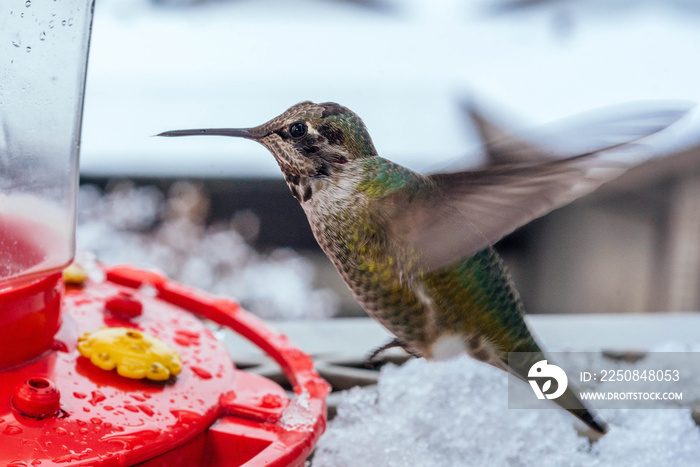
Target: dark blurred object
[(565, 14), (379, 6), (604, 6)]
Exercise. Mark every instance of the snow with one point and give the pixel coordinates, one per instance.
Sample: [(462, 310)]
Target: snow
[(455, 412), (298, 416), (142, 227)]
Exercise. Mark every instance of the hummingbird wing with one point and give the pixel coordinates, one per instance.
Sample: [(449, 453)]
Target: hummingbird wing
[(503, 146), (596, 130), (459, 214)]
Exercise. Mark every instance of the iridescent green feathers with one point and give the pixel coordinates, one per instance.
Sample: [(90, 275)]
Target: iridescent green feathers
[(342, 126), (381, 178)]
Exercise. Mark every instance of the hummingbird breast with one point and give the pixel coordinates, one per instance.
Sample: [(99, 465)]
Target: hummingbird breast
[(472, 299), (355, 240)]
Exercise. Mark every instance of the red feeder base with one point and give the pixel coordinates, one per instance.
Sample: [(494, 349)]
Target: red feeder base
[(60, 409)]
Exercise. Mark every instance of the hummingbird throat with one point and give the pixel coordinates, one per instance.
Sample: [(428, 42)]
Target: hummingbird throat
[(300, 187)]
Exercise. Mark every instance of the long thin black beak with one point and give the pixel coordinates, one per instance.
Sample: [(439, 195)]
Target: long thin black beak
[(236, 132)]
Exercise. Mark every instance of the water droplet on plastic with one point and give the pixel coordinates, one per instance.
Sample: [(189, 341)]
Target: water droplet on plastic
[(51, 24), (63, 23), (16, 44), (12, 430), (97, 397), (201, 372), (42, 36), (18, 463), (29, 49), (70, 21), (28, 3), (21, 15)]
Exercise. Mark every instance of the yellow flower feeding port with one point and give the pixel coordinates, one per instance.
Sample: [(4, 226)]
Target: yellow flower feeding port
[(134, 354)]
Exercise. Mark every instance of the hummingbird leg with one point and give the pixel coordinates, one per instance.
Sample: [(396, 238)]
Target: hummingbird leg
[(396, 342)]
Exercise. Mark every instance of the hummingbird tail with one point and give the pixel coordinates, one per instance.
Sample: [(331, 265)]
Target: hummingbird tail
[(569, 400), (573, 404), (593, 422)]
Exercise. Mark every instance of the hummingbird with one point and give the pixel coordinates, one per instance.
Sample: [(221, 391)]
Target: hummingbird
[(416, 250)]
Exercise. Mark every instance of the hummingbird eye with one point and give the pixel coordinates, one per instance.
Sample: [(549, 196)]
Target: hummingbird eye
[(298, 129)]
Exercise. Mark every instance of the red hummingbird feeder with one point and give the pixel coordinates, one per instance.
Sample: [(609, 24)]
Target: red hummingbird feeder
[(113, 368)]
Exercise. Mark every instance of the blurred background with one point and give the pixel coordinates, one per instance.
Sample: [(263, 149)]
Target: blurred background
[(215, 213)]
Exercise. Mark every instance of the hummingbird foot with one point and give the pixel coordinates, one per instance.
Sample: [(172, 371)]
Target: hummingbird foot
[(396, 342)]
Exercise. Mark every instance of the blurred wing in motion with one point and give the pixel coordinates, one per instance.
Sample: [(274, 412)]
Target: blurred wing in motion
[(592, 131), (502, 146), (464, 212)]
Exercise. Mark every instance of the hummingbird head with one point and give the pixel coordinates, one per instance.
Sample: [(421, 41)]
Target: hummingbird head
[(307, 140)]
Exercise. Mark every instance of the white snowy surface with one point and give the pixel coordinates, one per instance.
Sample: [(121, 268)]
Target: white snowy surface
[(143, 228), (404, 70), (455, 413)]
